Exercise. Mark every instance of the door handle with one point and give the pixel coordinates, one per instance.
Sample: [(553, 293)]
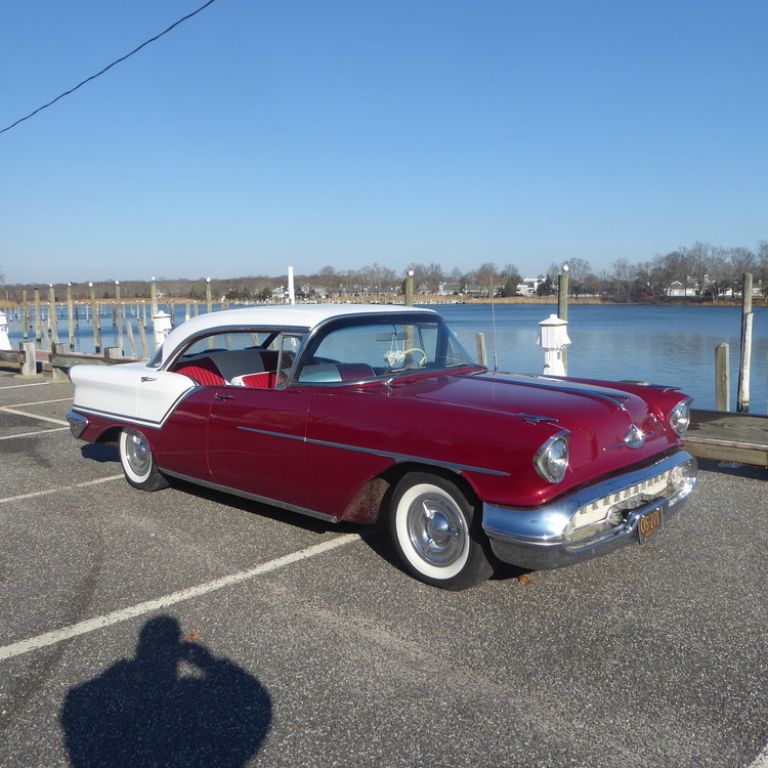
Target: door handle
[(219, 396), (148, 378)]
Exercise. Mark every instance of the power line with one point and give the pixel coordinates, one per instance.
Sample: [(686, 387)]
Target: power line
[(109, 66)]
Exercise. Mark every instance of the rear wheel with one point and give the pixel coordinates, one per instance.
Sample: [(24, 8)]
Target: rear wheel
[(138, 463), (436, 530)]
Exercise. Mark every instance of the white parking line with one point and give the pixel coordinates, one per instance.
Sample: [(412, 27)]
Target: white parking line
[(32, 434), (50, 491), (32, 384), (17, 412), (39, 402), (108, 619)]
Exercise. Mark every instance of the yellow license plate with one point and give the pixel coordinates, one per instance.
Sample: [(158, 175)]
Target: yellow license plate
[(650, 523)]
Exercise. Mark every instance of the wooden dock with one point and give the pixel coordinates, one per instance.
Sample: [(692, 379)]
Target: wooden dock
[(723, 436)]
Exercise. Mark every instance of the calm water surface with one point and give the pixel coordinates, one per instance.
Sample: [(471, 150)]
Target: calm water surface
[(666, 345)]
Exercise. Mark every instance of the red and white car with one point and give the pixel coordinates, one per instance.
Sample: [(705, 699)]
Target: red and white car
[(358, 413)]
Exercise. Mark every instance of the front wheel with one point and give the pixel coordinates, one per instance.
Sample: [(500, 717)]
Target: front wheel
[(138, 463), (436, 531)]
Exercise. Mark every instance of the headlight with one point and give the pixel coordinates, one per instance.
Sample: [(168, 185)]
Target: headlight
[(680, 417), (551, 460)]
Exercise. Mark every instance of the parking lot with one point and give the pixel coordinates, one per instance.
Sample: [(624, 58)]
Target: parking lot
[(189, 628)]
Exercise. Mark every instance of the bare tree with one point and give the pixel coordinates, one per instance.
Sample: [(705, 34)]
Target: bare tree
[(762, 265), (510, 277), (622, 279), (427, 277), (487, 276), (580, 273)]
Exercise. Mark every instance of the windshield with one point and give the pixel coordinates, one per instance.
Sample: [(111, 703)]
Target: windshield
[(374, 348)]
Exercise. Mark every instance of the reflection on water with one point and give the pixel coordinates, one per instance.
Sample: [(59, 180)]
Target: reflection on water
[(667, 345)]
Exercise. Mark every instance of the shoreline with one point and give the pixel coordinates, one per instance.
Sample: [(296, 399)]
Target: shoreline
[(424, 299)]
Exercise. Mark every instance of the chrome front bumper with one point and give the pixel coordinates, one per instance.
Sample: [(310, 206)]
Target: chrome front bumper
[(549, 536)]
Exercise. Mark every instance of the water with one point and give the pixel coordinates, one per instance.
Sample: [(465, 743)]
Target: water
[(660, 344)]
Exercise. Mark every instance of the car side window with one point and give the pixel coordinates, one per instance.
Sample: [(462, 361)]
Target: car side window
[(259, 359)]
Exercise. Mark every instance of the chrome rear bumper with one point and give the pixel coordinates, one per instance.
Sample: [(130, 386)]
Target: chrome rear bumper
[(550, 537), (77, 423)]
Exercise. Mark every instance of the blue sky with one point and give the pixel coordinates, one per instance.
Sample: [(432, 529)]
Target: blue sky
[(262, 134)]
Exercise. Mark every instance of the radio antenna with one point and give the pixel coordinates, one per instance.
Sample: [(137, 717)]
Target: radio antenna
[(493, 337)]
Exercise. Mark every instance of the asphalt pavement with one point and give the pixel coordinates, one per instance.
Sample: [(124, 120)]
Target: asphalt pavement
[(185, 627)]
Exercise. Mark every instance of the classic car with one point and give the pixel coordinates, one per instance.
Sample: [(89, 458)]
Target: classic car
[(368, 413)]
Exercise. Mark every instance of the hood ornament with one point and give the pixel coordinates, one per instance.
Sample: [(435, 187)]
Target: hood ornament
[(635, 438)]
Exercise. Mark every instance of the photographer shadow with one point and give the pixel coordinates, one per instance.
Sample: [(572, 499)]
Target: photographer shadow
[(173, 704)]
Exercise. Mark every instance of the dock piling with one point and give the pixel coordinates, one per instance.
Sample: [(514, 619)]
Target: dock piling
[(722, 377), (745, 352)]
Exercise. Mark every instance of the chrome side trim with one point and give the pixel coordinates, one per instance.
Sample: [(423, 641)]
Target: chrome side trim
[(77, 423), (662, 387), (398, 458), (142, 422), (532, 418), (252, 496)]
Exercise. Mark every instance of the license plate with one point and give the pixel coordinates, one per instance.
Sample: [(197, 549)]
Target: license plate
[(650, 523)]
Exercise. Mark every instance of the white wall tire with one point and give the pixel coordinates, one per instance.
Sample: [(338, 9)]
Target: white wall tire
[(437, 534), (138, 463)]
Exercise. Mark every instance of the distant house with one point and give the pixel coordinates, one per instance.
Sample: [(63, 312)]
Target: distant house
[(280, 294), (675, 288), (449, 289), (690, 288), (529, 286)]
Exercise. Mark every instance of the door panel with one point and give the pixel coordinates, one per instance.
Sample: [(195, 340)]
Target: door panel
[(344, 429), (256, 442), (181, 445)]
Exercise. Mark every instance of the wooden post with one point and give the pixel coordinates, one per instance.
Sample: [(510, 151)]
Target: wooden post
[(153, 296), (117, 315), (30, 359), (53, 322), (143, 338), (208, 299), (38, 324), (562, 309), (96, 320), (409, 289), (722, 377), (482, 353), (113, 353), (24, 316), (745, 352), (562, 294), (56, 373), (131, 341), (70, 318)]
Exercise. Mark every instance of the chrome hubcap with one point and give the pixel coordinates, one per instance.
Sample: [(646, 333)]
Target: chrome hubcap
[(137, 453), (437, 530)]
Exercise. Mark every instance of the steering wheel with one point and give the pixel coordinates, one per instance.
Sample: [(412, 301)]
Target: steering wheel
[(419, 356)]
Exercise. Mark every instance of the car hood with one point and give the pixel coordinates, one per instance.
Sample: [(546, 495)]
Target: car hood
[(600, 419)]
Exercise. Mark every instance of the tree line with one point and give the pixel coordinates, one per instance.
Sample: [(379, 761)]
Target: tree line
[(701, 270)]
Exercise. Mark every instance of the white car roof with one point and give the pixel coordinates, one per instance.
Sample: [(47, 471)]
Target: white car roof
[(280, 315)]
